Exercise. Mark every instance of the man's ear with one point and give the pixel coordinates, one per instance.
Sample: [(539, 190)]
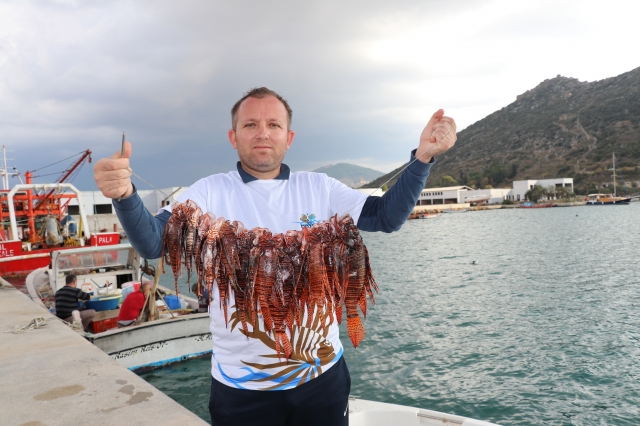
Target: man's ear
[(232, 138), (290, 138)]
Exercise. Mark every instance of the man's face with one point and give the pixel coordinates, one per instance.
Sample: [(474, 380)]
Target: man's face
[(261, 136)]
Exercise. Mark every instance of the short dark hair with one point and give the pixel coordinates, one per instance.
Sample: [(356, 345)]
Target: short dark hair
[(259, 93), (70, 278)]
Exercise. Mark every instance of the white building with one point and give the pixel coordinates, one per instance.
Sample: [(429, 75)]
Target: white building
[(520, 187), (460, 195)]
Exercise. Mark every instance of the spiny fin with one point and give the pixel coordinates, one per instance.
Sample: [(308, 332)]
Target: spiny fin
[(355, 329)]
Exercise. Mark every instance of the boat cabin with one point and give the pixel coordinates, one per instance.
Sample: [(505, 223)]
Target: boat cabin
[(102, 267)]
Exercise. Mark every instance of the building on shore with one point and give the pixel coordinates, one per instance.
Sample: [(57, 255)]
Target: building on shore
[(520, 187), (460, 195), (465, 194)]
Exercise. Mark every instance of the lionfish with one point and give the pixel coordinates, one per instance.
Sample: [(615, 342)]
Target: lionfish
[(321, 268)]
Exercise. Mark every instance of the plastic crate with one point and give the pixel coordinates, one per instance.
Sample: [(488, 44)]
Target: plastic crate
[(97, 326), (111, 323), (104, 325)]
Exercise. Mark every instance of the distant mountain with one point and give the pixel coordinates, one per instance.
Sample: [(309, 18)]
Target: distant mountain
[(561, 128), (350, 174)]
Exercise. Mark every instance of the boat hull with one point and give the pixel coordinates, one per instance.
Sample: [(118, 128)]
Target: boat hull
[(372, 413), (608, 203), (158, 343)]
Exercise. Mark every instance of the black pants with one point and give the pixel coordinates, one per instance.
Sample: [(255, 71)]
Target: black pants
[(321, 402)]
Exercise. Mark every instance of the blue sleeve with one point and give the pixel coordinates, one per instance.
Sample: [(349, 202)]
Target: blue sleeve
[(143, 230), (389, 212)]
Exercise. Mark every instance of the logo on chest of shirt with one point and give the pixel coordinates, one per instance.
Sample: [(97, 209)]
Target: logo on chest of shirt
[(308, 220)]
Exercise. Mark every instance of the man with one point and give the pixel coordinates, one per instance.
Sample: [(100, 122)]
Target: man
[(67, 301), (133, 304), (312, 388)]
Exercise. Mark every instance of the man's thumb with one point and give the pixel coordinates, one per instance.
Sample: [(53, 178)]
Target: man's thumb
[(436, 116), (127, 152)]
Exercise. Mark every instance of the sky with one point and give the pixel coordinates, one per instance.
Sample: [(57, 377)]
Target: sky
[(363, 77)]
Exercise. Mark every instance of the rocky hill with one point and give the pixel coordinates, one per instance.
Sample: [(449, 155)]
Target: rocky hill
[(350, 174), (561, 128)]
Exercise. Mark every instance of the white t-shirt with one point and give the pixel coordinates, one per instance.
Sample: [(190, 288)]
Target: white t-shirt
[(279, 205)]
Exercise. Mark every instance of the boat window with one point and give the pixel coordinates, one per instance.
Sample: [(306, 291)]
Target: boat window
[(114, 258), (103, 209)]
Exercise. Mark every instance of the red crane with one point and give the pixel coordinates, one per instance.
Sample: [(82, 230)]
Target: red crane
[(49, 203), (85, 156)]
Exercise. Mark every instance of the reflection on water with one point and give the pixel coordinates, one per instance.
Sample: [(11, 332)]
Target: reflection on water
[(543, 329)]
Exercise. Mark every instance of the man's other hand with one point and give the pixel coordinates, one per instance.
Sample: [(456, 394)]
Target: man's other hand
[(437, 137), (113, 174)]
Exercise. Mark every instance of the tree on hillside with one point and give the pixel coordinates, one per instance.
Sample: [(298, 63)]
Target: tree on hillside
[(473, 179), (536, 193), (496, 174), (448, 181), (514, 170), (463, 178)]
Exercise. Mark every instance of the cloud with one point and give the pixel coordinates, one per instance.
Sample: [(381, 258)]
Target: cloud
[(363, 77)]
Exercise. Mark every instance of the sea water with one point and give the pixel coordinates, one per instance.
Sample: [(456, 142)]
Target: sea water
[(542, 330)]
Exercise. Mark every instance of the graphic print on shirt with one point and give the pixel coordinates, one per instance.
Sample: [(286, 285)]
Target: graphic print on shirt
[(307, 220), (311, 352)]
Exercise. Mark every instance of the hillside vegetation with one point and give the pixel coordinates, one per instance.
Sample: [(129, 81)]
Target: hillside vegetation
[(561, 128)]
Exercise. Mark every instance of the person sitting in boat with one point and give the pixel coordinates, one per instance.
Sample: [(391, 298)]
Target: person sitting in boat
[(67, 301), (132, 305), (203, 299), (247, 377)]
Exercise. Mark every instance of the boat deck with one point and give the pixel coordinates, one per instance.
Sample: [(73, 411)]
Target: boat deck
[(54, 376)]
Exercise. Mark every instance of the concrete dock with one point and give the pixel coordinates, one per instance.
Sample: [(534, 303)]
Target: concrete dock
[(52, 376)]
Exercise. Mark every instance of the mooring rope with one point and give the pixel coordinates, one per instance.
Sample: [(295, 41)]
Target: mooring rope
[(41, 322), (35, 323)]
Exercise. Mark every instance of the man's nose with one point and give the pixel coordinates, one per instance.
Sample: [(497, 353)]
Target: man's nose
[(263, 131)]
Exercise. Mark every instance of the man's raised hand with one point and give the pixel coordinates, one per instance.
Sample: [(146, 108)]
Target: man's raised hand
[(437, 137), (113, 174)]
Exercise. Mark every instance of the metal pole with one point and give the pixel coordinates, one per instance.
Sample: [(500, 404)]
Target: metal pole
[(614, 174)]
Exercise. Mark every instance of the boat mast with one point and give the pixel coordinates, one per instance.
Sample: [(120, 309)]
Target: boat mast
[(614, 174), (5, 174)]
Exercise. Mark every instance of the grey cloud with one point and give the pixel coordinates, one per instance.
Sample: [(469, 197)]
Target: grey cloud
[(75, 74)]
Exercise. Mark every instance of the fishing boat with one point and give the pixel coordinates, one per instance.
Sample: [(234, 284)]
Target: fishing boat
[(177, 335), (608, 199), (372, 413), (35, 221), (477, 199)]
